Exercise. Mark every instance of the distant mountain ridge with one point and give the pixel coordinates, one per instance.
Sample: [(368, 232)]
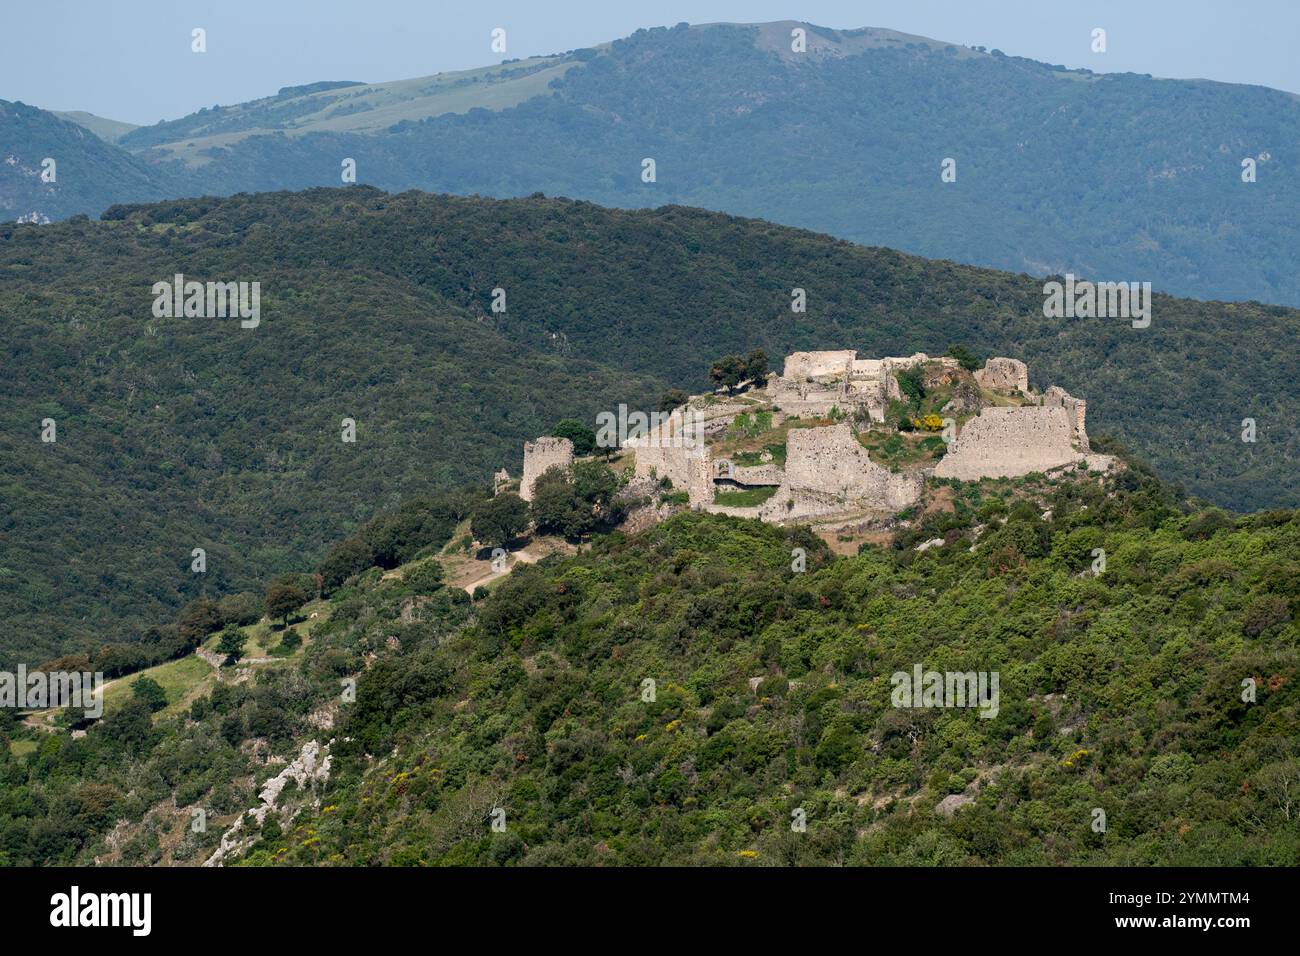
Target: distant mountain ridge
[(88, 173), (1109, 176)]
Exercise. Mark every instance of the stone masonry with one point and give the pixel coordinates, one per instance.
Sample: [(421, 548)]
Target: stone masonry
[(1004, 375), (1077, 408), (827, 470), (546, 452), (1009, 442)]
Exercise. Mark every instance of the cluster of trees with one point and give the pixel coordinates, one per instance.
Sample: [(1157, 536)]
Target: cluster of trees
[(573, 502), (1117, 691), (731, 370), (157, 644), (395, 537), (1120, 689)]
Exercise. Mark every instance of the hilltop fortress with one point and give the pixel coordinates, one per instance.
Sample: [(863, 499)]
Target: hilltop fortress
[(834, 436)]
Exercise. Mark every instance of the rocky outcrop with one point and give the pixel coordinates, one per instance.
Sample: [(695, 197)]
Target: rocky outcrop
[(312, 765)]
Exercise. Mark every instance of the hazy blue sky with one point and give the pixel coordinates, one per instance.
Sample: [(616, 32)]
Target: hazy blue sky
[(131, 59)]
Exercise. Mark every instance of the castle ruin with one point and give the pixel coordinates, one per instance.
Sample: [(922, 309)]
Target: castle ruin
[(828, 405)]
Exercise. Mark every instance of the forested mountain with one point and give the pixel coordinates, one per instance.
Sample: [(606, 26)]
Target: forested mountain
[(88, 174), (179, 433), (687, 696), (1116, 177)]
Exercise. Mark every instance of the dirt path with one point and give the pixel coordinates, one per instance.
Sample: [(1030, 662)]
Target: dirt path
[(44, 719), (522, 555)]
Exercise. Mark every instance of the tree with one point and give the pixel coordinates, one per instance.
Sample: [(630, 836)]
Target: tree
[(594, 484), (553, 501), (574, 504), (232, 642), (500, 520), (728, 372), (756, 368), (198, 619), (243, 608), (282, 599), (424, 578), (350, 557), (673, 398), (130, 727), (151, 692), (583, 438), (965, 357), (911, 383)]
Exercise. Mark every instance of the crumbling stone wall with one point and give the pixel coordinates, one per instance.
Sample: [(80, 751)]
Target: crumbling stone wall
[(892, 365), (827, 471), (689, 469), (1009, 442), (547, 452), (800, 397), (802, 365), (1004, 375), (676, 450), (756, 475), (1077, 409)]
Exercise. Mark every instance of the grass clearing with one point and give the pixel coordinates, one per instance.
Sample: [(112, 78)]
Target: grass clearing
[(748, 498), (181, 679)]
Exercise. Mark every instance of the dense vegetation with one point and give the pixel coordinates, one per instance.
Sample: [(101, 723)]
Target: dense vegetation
[(1120, 691), (1117, 177), (176, 434), (89, 174)]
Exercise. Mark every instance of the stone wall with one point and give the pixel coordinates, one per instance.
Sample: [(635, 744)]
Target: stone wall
[(546, 452), (1077, 409), (827, 470), (689, 469), (800, 397), (892, 365), (1004, 375), (802, 365), (1009, 442), (756, 475), (676, 449)]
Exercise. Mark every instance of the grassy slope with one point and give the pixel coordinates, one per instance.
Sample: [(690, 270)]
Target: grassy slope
[(110, 131), (363, 108)]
